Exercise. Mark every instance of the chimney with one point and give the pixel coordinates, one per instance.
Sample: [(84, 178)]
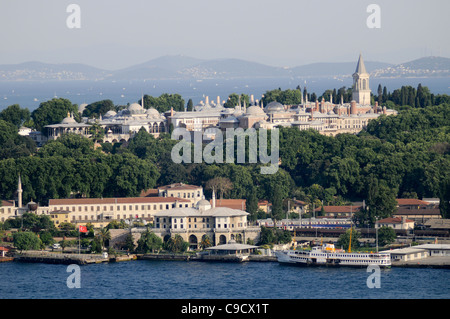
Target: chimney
[(207, 100), (376, 107), (213, 199), (353, 107)]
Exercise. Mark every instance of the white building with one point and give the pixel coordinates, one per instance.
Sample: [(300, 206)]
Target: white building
[(193, 224)]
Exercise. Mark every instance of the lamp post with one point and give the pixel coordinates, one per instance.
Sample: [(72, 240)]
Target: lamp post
[(376, 231)]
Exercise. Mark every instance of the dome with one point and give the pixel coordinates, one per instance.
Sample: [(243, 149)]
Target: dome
[(274, 107), (203, 204), (82, 107), (68, 120), (110, 113), (152, 112), (32, 206), (135, 108), (255, 110)]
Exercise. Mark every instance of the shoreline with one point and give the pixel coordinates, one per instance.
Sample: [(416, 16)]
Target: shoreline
[(86, 259)]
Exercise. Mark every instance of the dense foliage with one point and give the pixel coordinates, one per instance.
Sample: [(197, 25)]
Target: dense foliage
[(407, 155)]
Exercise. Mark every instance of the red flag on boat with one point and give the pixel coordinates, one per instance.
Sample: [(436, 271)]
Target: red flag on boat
[(83, 229)]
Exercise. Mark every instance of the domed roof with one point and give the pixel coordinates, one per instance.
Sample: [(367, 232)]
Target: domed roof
[(68, 120), (32, 206), (152, 112), (110, 113), (81, 107), (274, 107), (135, 108), (203, 204), (255, 110)]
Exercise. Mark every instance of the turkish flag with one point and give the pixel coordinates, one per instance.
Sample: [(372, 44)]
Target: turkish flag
[(83, 229)]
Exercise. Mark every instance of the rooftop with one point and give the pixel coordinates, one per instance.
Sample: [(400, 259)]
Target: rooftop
[(394, 220), (411, 201), (122, 200), (194, 212)]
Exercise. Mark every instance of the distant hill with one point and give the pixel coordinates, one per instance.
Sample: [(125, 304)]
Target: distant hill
[(334, 69), (232, 68), (183, 67), (423, 67), (38, 71)]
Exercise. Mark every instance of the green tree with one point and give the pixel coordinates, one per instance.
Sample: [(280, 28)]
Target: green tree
[(129, 242), (205, 242), (252, 204), (381, 200), (164, 102), (15, 115), (386, 235), (52, 112), (277, 205), (98, 108), (234, 99), (176, 244), (190, 106), (444, 197), (344, 239), (104, 236), (149, 242), (97, 132), (26, 241)]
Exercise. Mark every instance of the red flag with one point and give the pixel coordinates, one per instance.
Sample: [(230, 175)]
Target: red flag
[(83, 229)]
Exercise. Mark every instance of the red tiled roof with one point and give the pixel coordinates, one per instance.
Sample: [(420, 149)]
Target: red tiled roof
[(122, 200), (149, 193), (178, 186), (394, 220), (418, 212), (230, 203), (411, 201), (7, 203), (339, 209)]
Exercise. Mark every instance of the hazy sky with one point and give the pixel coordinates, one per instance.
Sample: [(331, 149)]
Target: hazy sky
[(116, 33)]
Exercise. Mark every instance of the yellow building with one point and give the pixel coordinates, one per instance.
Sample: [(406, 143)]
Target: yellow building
[(59, 217)]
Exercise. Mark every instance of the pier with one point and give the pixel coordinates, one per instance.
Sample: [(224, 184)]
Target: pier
[(59, 258)]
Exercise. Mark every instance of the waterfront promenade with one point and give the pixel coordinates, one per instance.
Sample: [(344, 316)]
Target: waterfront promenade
[(84, 259)]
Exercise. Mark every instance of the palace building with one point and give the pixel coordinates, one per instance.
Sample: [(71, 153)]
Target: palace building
[(327, 117), (205, 221)]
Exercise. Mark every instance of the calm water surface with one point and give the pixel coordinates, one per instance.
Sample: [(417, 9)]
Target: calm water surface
[(198, 280)]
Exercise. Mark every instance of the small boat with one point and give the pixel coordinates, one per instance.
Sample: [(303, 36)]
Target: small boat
[(328, 255)]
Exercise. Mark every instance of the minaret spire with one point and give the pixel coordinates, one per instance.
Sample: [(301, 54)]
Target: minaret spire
[(19, 193)]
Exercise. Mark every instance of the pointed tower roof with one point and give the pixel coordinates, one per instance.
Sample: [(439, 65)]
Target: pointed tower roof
[(360, 68)]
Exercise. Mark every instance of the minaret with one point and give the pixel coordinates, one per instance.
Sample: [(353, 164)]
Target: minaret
[(361, 90), (19, 193)]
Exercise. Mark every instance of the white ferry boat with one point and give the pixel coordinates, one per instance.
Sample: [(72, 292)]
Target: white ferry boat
[(328, 255)]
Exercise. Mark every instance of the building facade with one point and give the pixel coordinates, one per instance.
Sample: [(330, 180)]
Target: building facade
[(205, 221), (326, 117)]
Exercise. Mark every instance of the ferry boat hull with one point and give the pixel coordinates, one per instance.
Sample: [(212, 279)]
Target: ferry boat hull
[(330, 257)]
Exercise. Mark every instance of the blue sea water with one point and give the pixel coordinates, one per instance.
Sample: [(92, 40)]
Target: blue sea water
[(144, 279), (31, 94)]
